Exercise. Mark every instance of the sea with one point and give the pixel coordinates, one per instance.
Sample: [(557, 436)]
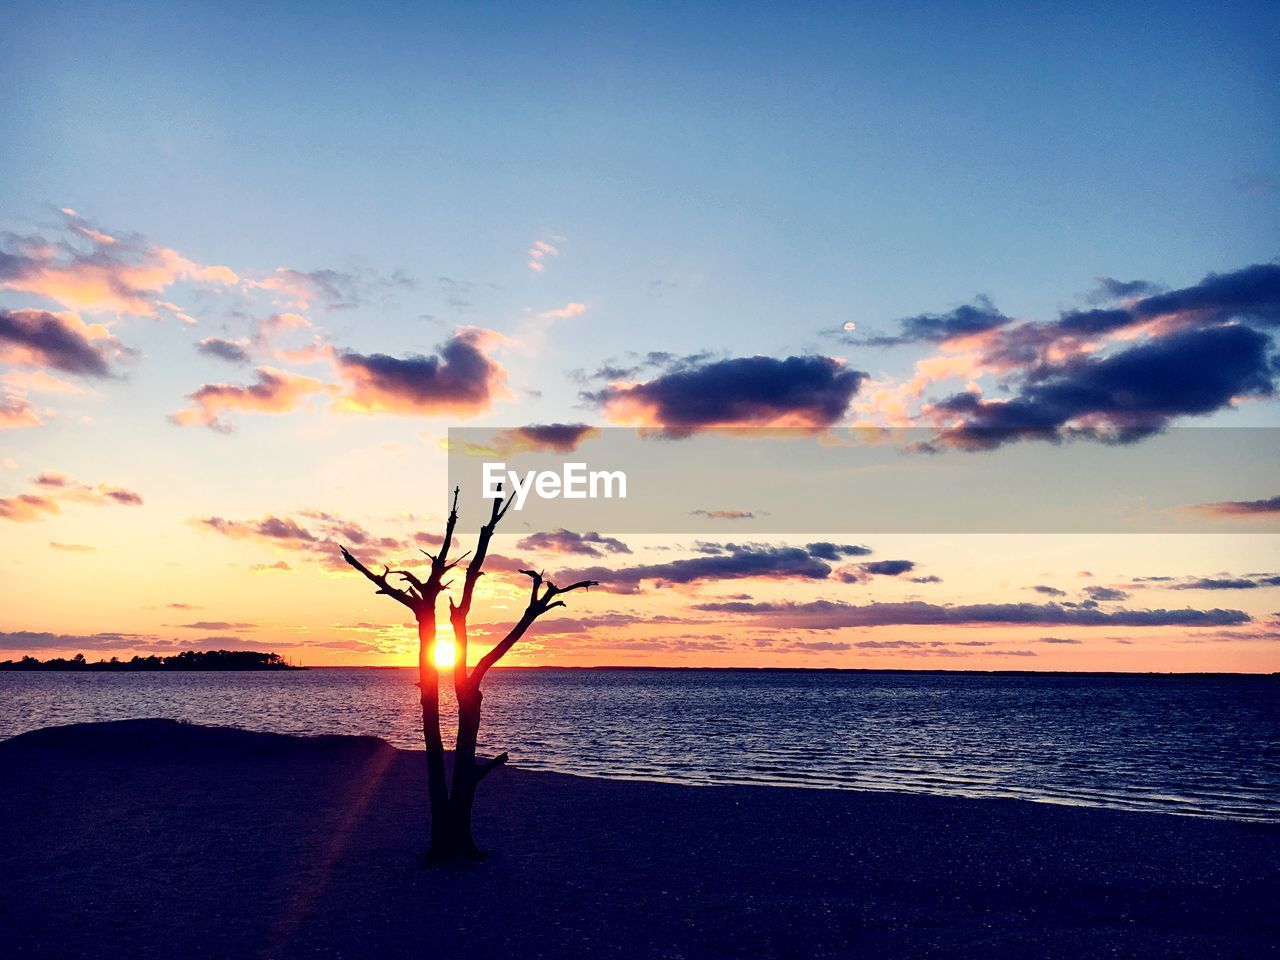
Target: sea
[(1193, 745)]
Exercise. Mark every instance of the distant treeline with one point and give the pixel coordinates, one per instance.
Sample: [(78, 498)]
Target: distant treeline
[(187, 660)]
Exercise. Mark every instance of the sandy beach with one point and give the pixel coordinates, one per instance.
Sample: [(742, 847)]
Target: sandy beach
[(154, 839)]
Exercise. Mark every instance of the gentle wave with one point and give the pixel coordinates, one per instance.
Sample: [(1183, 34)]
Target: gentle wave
[(1202, 746)]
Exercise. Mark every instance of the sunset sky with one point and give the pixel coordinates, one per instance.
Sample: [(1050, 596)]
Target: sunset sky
[(254, 265)]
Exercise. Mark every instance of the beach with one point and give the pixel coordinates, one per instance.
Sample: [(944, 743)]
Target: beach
[(158, 839)]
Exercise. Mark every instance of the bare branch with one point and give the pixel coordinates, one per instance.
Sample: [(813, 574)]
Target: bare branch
[(380, 580), (486, 768)]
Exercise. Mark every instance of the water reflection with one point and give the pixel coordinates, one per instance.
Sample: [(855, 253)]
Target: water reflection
[(1204, 746)]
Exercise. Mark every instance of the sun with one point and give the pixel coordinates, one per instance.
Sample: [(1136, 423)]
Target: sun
[(444, 654)]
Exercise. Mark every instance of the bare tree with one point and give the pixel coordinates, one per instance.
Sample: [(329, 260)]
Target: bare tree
[(452, 802)]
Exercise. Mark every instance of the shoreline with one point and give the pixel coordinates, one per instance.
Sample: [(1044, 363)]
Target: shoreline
[(295, 846)]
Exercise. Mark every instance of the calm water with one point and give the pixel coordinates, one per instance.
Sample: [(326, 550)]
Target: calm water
[(1204, 746)]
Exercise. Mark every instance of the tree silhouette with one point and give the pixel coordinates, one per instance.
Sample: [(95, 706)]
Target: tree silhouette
[(452, 802)]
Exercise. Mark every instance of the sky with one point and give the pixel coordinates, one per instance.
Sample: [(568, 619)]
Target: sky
[(256, 260)]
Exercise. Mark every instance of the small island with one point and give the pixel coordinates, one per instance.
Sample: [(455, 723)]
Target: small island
[(186, 660)]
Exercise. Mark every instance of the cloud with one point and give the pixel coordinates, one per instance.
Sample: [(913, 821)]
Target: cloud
[(1120, 398), (89, 269), (1110, 289), (863, 572), (1058, 640), (1048, 590), (462, 380), (557, 437), (1186, 352), (825, 550), (1251, 294), (1240, 508), (1105, 593), (964, 321), (72, 547), (37, 338), (539, 253), (333, 289), (17, 412), (233, 351), (722, 514), (275, 391), (590, 543), (564, 313), (270, 567), (43, 640), (1252, 582), (52, 490), (737, 562), (835, 615), (311, 534), (807, 392), (27, 508), (887, 568)]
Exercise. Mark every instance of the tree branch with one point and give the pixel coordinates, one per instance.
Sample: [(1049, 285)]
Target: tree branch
[(538, 605), (486, 768), (380, 580), (458, 612)]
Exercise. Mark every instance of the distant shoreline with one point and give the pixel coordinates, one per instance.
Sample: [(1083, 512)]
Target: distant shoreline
[(189, 661)]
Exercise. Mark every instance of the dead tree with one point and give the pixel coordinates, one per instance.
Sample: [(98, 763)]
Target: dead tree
[(452, 801)]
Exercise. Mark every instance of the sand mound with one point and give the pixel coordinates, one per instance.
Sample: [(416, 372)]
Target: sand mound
[(159, 736)]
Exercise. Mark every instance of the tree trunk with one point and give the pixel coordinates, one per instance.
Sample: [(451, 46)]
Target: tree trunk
[(466, 772), (437, 786)]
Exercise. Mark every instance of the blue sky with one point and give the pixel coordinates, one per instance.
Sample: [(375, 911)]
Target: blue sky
[(779, 168)]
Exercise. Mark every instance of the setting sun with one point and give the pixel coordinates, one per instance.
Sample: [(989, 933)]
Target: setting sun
[(444, 654)]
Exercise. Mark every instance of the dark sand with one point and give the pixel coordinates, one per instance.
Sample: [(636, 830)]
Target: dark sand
[(150, 839)]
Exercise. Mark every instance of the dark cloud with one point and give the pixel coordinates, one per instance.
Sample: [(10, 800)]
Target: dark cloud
[(461, 379), (825, 550), (887, 568), (1229, 583), (1123, 397), (229, 350), (1110, 288), (36, 338), (809, 391), (590, 543), (1251, 294), (738, 562), (1105, 593), (1048, 590), (557, 437), (977, 317), (1059, 640), (217, 625), (863, 572), (722, 514), (1240, 508), (835, 615)]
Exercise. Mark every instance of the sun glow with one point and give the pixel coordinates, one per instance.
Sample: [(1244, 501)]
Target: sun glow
[(444, 654)]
